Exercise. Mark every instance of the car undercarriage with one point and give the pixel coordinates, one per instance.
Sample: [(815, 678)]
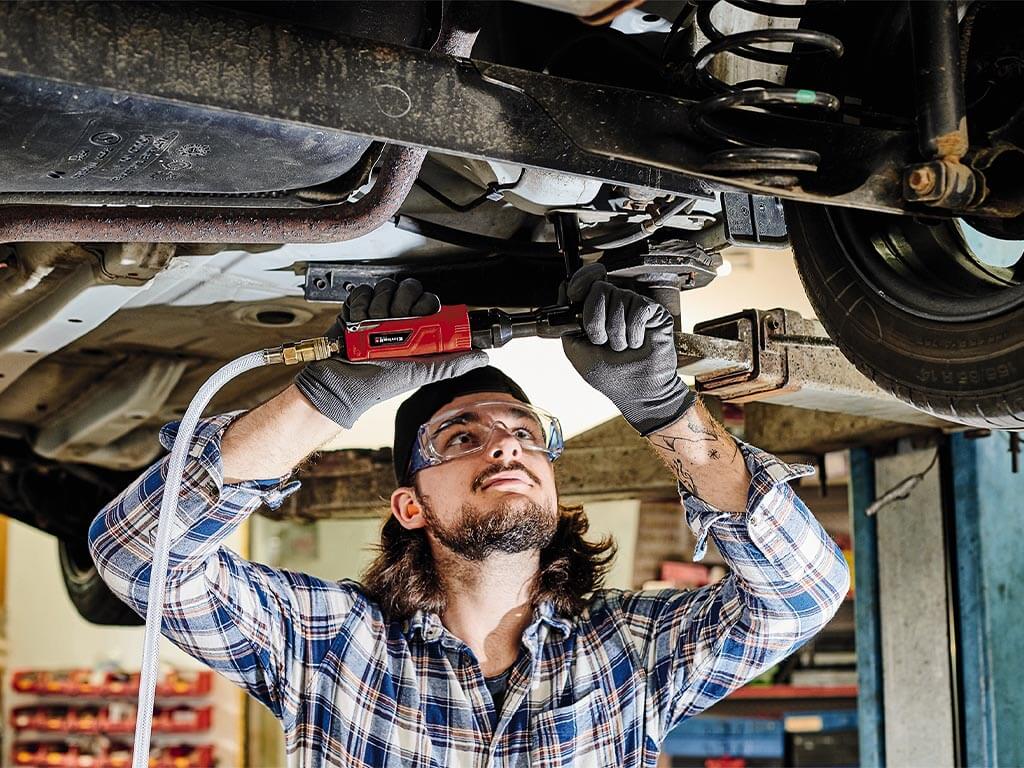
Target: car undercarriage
[(466, 145)]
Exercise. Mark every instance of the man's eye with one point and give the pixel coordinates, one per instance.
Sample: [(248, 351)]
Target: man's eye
[(523, 433), (460, 440)]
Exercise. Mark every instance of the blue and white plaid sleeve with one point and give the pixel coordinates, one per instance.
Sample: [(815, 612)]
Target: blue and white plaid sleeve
[(787, 580), (263, 628)]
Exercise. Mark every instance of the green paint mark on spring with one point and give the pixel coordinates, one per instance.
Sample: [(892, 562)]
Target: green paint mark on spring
[(805, 96)]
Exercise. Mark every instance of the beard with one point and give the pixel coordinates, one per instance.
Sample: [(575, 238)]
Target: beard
[(515, 525)]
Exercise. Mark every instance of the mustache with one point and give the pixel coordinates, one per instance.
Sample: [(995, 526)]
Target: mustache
[(490, 472)]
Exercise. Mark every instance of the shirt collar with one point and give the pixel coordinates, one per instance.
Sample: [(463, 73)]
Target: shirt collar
[(430, 629), (545, 614)]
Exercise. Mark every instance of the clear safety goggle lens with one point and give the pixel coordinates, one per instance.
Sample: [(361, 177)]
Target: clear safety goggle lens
[(462, 431)]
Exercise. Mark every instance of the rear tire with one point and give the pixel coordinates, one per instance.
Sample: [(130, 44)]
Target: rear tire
[(90, 596), (941, 336)]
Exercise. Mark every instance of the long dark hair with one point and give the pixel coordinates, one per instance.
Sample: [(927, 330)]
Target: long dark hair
[(402, 578)]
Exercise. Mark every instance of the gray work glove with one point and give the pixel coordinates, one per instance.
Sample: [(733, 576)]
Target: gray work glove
[(627, 351), (343, 391)]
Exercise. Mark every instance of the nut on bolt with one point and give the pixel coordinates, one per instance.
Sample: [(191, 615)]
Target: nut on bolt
[(944, 183), (921, 180)]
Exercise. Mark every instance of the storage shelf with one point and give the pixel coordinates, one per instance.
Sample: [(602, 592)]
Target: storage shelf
[(83, 683), (85, 718)]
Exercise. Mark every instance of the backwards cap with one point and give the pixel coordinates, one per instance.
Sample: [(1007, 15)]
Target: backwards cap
[(430, 398)]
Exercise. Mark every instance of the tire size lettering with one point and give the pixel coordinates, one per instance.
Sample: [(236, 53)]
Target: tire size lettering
[(975, 376)]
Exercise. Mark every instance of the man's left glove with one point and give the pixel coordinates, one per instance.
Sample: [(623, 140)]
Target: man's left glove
[(627, 351)]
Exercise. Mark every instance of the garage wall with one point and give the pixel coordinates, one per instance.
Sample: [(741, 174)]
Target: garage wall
[(620, 519)]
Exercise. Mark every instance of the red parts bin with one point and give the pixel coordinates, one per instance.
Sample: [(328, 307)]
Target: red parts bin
[(116, 718), (58, 755), (181, 683), (86, 682)]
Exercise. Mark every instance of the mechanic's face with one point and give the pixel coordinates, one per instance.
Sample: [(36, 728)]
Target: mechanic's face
[(499, 499)]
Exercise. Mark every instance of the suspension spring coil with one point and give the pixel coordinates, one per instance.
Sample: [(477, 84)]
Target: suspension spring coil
[(746, 154)]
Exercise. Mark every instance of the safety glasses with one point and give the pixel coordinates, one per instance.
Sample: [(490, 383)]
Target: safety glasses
[(463, 431)]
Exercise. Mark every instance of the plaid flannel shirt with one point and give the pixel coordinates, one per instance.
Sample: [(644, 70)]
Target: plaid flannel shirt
[(354, 689)]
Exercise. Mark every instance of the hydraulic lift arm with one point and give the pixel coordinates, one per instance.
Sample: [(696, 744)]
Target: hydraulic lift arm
[(778, 356)]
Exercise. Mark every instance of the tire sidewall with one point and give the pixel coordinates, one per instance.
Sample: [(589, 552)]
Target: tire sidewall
[(91, 597), (969, 371)]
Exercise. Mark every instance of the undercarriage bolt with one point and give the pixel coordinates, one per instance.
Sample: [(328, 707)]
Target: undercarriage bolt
[(922, 180)]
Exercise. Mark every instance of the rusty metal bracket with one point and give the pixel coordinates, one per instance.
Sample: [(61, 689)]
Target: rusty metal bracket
[(778, 356)]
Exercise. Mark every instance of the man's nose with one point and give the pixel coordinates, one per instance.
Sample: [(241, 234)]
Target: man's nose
[(503, 444)]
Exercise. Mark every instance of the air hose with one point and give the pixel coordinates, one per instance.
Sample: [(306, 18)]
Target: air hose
[(289, 354)]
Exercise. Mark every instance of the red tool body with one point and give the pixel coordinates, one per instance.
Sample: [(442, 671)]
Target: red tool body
[(453, 328), (447, 330)]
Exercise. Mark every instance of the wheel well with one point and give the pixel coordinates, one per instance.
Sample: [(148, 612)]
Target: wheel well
[(58, 498)]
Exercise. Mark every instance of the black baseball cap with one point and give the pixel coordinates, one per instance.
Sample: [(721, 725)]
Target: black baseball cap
[(430, 398)]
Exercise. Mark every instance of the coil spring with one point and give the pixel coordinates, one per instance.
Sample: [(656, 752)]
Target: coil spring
[(748, 154)]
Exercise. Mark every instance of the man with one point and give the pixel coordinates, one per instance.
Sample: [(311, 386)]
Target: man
[(482, 636)]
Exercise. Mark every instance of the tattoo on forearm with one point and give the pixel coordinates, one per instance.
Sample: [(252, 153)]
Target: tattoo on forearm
[(685, 478), (707, 433), (672, 442)]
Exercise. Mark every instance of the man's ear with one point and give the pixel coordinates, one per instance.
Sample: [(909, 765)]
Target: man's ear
[(406, 508)]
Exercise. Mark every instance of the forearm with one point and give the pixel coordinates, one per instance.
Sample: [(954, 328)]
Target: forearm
[(208, 509), (705, 459), (242, 619), (270, 440)]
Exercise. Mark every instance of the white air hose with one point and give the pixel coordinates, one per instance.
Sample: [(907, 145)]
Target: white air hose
[(303, 351)]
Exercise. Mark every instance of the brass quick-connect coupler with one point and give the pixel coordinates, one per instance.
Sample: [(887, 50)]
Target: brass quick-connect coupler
[(305, 351)]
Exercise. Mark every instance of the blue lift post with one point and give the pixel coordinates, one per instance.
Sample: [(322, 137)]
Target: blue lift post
[(988, 546), (870, 705), (989, 517)]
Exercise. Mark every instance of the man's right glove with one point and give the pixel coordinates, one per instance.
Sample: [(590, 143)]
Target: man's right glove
[(343, 391), (627, 351)]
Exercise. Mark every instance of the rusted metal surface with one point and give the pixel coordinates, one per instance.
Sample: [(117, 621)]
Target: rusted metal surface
[(921, 180), (946, 183), (701, 354), (399, 166), (780, 356), (328, 224), (953, 143)]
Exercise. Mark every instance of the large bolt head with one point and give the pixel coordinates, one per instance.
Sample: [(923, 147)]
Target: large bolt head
[(921, 180)]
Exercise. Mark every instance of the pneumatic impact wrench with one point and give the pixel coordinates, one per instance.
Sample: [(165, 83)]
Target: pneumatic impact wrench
[(453, 328)]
